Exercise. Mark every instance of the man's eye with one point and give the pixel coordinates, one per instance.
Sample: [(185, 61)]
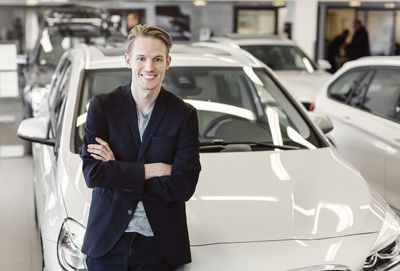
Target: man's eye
[(159, 59), (140, 58)]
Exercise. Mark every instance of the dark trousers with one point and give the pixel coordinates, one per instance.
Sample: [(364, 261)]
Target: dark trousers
[(133, 252)]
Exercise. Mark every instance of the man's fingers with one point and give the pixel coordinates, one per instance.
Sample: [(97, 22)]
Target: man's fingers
[(103, 143), (96, 151), (95, 156)]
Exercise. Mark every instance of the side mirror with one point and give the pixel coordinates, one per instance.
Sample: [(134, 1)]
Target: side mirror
[(35, 130), (322, 121), (324, 64)]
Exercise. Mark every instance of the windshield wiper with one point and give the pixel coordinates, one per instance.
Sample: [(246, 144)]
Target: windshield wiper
[(220, 145)]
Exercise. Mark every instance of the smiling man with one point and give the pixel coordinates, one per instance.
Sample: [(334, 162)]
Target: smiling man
[(141, 157)]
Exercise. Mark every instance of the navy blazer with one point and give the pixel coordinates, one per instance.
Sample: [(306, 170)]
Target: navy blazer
[(171, 137)]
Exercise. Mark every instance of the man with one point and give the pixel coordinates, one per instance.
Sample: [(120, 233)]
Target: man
[(132, 19), (334, 47), (359, 45), (141, 157)]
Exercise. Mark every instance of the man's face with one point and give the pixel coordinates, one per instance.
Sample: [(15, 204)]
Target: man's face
[(148, 61)]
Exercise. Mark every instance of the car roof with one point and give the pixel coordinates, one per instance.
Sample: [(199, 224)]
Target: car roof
[(196, 54), (373, 61)]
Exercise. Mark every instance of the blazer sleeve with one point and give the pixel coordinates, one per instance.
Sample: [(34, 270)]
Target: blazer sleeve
[(180, 186), (112, 174)]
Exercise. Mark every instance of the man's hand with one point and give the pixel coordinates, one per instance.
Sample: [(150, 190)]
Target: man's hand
[(156, 170), (101, 151)]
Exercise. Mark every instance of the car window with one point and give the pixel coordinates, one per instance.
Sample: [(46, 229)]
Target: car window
[(383, 94), (279, 57), (357, 95), (50, 50), (57, 100), (341, 88), (238, 104)]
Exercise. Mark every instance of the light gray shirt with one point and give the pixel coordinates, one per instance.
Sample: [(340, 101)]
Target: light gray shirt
[(139, 222)]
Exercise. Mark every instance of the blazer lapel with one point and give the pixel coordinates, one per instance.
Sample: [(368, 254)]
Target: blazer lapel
[(129, 107), (157, 115)]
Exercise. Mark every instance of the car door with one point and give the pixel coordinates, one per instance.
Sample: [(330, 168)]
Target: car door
[(46, 156), (354, 129), (381, 102)]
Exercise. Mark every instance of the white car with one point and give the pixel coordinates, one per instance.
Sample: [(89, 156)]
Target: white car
[(363, 101), (298, 73), (273, 194)]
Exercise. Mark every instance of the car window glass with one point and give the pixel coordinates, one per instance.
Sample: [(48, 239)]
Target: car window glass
[(56, 107), (57, 79), (279, 57), (358, 93), (340, 89), (238, 104), (383, 94), (51, 49), (272, 97)]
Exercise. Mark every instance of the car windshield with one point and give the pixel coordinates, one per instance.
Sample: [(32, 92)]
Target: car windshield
[(234, 105), (281, 57)]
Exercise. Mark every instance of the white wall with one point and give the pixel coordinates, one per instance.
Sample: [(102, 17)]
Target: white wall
[(303, 15)]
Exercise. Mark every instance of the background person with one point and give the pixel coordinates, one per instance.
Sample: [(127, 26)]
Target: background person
[(334, 48), (359, 45)]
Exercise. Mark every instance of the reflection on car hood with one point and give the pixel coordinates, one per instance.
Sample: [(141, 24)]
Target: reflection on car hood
[(303, 85), (266, 195)]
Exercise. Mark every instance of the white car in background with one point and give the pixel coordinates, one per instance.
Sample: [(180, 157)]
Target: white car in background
[(363, 102), (298, 73), (273, 194)]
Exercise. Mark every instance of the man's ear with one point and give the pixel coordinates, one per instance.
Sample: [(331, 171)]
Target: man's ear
[(168, 62), (127, 60)]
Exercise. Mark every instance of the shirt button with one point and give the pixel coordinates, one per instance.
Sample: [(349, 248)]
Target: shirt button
[(129, 212)]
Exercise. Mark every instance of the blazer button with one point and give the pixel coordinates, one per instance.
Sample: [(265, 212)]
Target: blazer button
[(130, 212)]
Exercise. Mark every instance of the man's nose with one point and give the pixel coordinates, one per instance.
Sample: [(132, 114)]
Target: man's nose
[(149, 65)]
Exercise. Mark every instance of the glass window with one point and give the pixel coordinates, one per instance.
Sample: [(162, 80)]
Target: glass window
[(256, 21), (281, 58), (383, 95), (358, 93), (234, 104), (341, 88), (57, 97)]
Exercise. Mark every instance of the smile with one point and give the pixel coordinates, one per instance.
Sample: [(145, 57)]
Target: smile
[(148, 77)]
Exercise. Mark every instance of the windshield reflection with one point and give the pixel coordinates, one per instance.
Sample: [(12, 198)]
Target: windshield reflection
[(234, 105)]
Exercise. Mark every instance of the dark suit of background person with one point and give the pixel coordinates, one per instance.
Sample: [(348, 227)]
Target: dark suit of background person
[(359, 45), (334, 49), (171, 137)]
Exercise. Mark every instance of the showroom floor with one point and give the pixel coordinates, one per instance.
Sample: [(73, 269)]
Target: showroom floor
[(19, 240)]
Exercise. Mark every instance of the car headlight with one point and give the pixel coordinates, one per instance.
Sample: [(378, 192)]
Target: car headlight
[(69, 246), (386, 250)]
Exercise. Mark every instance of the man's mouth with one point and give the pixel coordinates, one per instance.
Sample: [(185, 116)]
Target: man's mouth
[(148, 76)]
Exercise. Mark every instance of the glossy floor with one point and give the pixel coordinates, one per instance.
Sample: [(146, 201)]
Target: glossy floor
[(20, 248)]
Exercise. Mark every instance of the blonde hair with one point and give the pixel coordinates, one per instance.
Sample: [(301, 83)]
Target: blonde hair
[(148, 31)]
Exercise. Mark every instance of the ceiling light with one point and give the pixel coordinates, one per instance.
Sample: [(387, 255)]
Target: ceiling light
[(32, 2), (199, 3), (278, 3), (389, 5), (354, 4)]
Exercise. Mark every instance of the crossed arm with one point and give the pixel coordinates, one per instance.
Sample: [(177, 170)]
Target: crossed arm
[(103, 152), (153, 181)]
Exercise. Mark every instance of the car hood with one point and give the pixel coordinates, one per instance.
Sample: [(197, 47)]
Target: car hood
[(268, 195), (303, 85)]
